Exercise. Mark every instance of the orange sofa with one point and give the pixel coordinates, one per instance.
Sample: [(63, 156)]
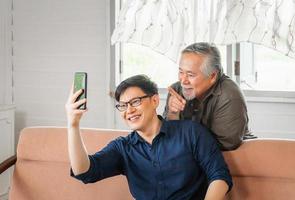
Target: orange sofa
[(261, 169)]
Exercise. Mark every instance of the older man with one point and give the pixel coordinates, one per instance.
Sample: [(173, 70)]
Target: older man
[(204, 94)]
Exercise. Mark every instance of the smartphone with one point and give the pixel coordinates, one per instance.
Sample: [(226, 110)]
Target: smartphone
[(80, 82)]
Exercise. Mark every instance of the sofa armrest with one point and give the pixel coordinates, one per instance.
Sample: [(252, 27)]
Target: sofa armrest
[(7, 163)]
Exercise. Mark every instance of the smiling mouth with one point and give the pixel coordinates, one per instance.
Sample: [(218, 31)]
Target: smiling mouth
[(133, 118)]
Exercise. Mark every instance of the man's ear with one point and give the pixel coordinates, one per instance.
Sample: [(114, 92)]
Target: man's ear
[(155, 100), (213, 77)]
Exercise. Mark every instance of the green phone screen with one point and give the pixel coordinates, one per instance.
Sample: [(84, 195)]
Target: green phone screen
[(80, 82)]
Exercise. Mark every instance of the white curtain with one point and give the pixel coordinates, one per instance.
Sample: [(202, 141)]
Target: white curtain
[(167, 26)]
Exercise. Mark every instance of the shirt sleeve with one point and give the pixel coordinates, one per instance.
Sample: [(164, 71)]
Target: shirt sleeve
[(209, 156), (106, 163), (229, 123)]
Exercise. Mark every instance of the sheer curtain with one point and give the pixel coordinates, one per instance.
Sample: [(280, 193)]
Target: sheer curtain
[(167, 26)]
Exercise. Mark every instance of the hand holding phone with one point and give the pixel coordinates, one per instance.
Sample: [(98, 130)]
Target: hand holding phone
[(80, 82)]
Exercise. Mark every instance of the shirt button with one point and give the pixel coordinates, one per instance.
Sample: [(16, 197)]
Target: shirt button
[(155, 164), (160, 182)]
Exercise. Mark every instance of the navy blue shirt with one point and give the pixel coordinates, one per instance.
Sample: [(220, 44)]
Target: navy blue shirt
[(182, 160)]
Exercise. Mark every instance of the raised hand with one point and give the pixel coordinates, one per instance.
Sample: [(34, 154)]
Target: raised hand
[(176, 104), (73, 113)]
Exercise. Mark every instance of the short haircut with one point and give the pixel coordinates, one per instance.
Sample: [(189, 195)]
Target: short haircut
[(212, 62), (141, 81)]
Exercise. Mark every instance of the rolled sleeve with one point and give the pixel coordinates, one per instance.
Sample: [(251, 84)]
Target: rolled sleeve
[(103, 164), (89, 175), (210, 157)]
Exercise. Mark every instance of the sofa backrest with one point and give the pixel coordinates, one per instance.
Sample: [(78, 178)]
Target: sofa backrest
[(42, 170), (261, 169)]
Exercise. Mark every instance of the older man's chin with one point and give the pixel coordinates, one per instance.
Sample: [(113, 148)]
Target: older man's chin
[(188, 95)]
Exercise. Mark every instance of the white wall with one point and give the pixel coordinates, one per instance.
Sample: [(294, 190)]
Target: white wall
[(273, 119), (53, 39), (5, 52)]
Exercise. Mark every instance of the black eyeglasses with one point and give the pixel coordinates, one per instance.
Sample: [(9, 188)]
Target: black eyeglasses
[(122, 106)]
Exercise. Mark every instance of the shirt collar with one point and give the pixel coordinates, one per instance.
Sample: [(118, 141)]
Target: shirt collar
[(135, 137)]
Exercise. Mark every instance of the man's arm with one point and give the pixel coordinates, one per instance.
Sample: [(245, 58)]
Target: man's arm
[(216, 190), (77, 152), (211, 160), (229, 123)]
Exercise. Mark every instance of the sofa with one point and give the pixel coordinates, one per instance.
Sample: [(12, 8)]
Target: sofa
[(262, 169)]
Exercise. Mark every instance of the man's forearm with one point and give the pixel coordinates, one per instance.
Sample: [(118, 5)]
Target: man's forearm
[(77, 152), (217, 190)]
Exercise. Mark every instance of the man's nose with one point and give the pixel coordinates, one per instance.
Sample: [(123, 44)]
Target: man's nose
[(184, 79)]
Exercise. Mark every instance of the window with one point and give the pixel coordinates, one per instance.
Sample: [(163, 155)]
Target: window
[(264, 69), (261, 68), (136, 59)]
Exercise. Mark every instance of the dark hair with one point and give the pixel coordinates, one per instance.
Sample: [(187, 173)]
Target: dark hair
[(213, 60), (141, 81)]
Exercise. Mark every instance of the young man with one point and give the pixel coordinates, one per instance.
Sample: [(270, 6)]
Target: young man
[(161, 159), (204, 94)]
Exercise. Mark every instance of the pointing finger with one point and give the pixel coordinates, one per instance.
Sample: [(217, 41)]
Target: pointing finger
[(176, 95)]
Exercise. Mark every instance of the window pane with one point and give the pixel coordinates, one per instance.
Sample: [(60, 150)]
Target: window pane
[(138, 59), (272, 70), (142, 60), (222, 50)]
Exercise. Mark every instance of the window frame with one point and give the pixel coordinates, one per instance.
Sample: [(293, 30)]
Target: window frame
[(260, 95)]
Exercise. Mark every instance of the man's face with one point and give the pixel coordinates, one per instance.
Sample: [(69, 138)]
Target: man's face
[(193, 82), (139, 117)]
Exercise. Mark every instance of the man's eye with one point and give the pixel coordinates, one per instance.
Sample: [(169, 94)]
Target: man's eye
[(191, 75), (135, 102), (122, 105)]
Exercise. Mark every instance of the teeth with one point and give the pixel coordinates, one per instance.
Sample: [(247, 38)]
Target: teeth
[(134, 118)]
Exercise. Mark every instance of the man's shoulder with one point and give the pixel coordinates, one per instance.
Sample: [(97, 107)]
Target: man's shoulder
[(229, 89), (186, 128), (229, 84), (176, 125), (179, 122), (123, 140)]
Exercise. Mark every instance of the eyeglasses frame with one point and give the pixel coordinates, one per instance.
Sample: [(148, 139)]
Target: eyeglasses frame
[(130, 102)]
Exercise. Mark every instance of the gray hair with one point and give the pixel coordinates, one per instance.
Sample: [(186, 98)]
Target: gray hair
[(213, 60)]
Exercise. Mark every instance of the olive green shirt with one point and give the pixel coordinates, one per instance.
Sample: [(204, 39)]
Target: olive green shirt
[(223, 110)]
